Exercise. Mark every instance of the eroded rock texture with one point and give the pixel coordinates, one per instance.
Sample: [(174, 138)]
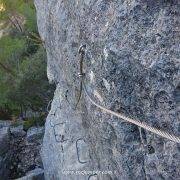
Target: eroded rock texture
[(131, 66)]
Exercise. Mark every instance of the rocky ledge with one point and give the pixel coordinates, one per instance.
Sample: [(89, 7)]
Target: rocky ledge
[(20, 152)]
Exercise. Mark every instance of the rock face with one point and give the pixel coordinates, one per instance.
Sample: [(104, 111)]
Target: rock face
[(131, 66)]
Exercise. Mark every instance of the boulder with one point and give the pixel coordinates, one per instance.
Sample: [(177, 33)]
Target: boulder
[(4, 140), (6, 123), (17, 131), (4, 149), (25, 148), (35, 134), (36, 174), (1, 161), (4, 167)]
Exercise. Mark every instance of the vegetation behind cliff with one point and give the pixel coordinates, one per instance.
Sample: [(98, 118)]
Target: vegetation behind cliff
[(24, 85)]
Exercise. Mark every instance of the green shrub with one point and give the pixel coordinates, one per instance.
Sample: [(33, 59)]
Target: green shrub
[(35, 121), (16, 123), (5, 113), (23, 77), (29, 123)]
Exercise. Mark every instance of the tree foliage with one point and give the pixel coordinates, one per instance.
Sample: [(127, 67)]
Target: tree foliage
[(23, 80), (32, 83)]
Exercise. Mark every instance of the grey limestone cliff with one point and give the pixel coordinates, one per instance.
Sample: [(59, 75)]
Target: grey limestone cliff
[(131, 66)]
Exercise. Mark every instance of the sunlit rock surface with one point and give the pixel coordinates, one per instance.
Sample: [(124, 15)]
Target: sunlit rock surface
[(132, 66)]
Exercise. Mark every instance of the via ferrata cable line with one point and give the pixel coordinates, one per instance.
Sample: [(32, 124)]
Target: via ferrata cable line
[(119, 115)]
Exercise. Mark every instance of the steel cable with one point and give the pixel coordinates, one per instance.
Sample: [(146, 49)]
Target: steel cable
[(133, 121)]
